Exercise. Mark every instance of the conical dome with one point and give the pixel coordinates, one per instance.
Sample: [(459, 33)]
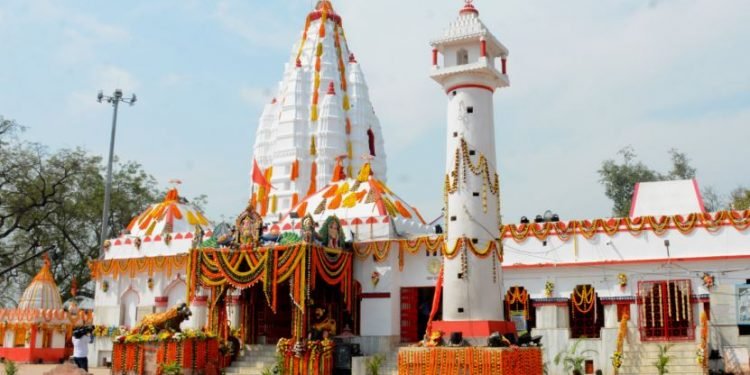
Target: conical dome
[(169, 216), (42, 292), (366, 207), (299, 139)]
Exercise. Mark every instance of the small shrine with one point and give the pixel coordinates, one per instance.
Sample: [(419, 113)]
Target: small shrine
[(39, 328)]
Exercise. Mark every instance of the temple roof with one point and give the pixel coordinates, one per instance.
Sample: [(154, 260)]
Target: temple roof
[(363, 200), (170, 216), (42, 292)]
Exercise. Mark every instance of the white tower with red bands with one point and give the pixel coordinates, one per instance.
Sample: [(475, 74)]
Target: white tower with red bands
[(473, 67)]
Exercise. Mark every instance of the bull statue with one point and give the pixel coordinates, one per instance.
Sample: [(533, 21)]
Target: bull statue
[(169, 320)]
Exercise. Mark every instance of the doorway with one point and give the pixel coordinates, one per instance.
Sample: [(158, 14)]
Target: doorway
[(416, 304), (665, 310)]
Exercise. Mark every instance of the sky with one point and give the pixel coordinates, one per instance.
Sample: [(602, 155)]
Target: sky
[(588, 77)]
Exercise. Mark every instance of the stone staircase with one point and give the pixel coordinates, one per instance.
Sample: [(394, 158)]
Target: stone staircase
[(639, 359), (254, 360)]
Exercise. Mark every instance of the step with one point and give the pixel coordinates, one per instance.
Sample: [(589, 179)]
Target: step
[(649, 361), (650, 368)]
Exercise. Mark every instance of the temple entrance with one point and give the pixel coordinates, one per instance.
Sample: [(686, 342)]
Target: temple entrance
[(262, 326), (416, 304), (326, 310), (665, 310)]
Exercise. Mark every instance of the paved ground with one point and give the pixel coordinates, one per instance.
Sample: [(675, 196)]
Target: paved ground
[(41, 369)]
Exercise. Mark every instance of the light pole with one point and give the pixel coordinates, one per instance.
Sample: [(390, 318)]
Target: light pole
[(115, 100)]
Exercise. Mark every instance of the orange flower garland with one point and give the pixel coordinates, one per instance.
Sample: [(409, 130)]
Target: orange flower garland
[(132, 266), (470, 360), (740, 220)]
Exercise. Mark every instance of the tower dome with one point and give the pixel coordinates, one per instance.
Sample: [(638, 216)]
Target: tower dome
[(299, 138), (42, 292), (172, 215)]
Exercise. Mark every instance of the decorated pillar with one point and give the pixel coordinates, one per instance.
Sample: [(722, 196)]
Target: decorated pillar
[(472, 286), (160, 303), (233, 306), (199, 309)]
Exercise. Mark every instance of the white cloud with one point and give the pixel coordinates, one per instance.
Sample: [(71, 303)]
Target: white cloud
[(257, 25), (82, 34)]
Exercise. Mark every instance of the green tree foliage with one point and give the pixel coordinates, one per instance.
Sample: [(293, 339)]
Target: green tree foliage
[(619, 179), (740, 198), (55, 198)]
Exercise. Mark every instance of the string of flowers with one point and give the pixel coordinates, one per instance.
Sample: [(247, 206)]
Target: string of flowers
[(469, 360), (621, 333), (740, 220), (701, 355), (518, 295), (584, 300)]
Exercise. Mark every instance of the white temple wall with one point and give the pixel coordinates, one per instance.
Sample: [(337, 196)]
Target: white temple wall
[(604, 278), (725, 241), (379, 316), (149, 248), (108, 304)]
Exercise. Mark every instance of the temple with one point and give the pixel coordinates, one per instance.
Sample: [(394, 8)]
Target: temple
[(40, 327), (326, 257)]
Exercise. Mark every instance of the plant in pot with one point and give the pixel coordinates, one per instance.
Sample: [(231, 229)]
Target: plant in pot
[(662, 361), (10, 367), (572, 360), (374, 363), (171, 368)]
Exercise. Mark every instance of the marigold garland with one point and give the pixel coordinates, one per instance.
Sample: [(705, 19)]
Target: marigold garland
[(433, 245), (702, 352), (740, 220), (313, 357), (518, 295), (301, 264), (132, 266), (470, 360), (621, 334)]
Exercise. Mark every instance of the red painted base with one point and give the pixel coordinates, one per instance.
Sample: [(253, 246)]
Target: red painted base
[(28, 355), (474, 328)]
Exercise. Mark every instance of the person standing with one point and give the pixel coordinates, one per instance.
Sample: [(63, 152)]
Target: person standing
[(81, 340)]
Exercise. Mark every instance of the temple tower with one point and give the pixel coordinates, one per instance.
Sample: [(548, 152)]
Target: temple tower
[(473, 67), (322, 110)]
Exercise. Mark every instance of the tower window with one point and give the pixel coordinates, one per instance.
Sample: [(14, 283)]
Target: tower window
[(476, 193), (455, 134), (472, 152), (475, 241), (455, 92), (469, 109), (462, 57), (453, 218), (371, 141)]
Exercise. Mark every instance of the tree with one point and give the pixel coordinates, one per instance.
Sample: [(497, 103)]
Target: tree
[(619, 179), (55, 198), (712, 201), (740, 198), (681, 169)]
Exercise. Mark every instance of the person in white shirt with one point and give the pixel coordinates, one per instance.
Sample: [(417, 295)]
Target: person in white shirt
[(81, 338)]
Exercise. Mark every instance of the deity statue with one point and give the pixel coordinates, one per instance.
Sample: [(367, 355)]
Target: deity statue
[(332, 234), (249, 225), (323, 324), (308, 229)]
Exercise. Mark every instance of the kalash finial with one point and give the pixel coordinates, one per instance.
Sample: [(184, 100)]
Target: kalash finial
[(468, 8)]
